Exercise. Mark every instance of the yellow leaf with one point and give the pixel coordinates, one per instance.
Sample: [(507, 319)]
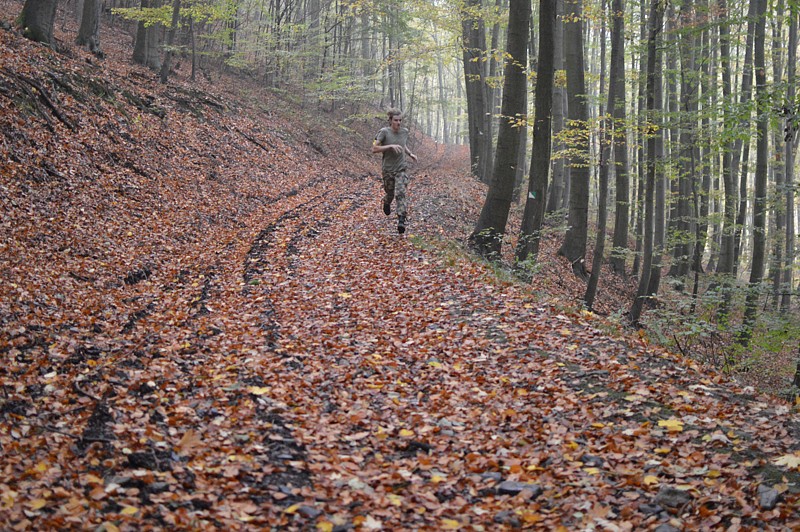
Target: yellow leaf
[(41, 467), (649, 480), (672, 424), (292, 509), (450, 524), (258, 390), (345, 295), (435, 364), (129, 510), (438, 478), (788, 460), (405, 433), (37, 504), (598, 425), (662, 450), (396, 500), (592, 470), (713, 474), (325, 526)]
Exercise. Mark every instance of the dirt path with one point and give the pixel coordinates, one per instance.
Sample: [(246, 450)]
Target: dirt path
[(332, 374)]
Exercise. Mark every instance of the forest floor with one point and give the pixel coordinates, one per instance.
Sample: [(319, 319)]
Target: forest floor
[(206, 322)]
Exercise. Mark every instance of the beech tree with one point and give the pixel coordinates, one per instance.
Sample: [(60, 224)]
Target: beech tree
[(486, 238), (89, 31), (574, 245), (37, 19), (535, 201)]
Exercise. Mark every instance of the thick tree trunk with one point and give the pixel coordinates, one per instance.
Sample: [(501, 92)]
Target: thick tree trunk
[(37, 20), (533, 217), (574, 245), (89, 32), (146, 47), (486, 239)]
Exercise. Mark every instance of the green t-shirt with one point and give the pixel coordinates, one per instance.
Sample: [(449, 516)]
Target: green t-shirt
[(393, 162)]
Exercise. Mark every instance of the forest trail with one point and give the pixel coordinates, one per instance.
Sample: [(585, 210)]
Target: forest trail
[(210, 324)]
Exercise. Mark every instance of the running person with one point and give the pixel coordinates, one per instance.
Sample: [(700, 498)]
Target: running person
[(392, 143)]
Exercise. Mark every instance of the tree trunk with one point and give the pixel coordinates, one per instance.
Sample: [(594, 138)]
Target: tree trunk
[(619, 138), (165, 66), (145, 50), (762, 156), (533, 217), (486, 239), (777, 205), (687, 169), (37, 20), (555, 200), (744, 146), (638, 212), (474, 37), (89, 32), (788, 284), (653, 80), (574, 245)]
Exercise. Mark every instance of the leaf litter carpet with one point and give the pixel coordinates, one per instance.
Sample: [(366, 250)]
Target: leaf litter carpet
[(233, 336)]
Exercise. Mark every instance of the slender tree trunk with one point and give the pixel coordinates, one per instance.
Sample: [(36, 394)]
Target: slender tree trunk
[(574, 245), (682, 222), (619, 138), (486, 239), (474, 37), (37, 20), (788, 284), (744, 146), (653, 80), (762, 156), (777, 205), (556, 195), (609, 137), (641, 171), (725, 264), (533, 217), (167, 63)]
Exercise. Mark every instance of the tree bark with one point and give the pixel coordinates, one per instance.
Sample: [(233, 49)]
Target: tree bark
[(37, 20), (165, 66), (741, 146), (789, 157), (574, 245), (619, 138), (89, 31), (486, 239), (653, 79), (533, 216), (555, 201), (762, 156), (474, 43)]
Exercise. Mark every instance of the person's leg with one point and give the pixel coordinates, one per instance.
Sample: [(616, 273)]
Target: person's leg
[(388, 188), (400, 186)]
